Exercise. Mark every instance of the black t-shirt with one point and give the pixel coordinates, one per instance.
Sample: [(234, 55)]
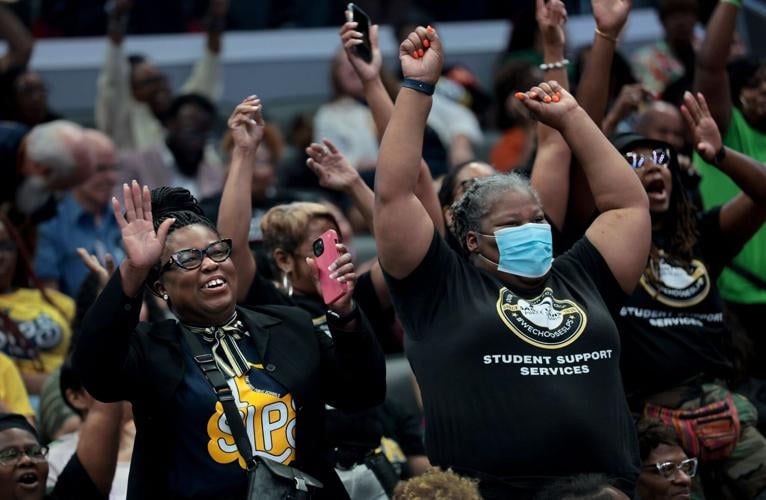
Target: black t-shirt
[(673, 331), (519, 384), (74, 483)]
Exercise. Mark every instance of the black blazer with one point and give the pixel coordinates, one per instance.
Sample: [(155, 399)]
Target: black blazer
[(120, 359)]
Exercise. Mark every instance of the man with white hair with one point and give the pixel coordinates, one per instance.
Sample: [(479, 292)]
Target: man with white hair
[(83, 220), (51, 157)]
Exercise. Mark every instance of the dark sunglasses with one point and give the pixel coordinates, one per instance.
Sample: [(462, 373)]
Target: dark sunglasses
[(668, 469), (660, 157), (191, 258)]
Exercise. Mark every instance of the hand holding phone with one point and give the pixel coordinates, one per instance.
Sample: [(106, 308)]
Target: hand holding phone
[(326, 254), (364, 49)]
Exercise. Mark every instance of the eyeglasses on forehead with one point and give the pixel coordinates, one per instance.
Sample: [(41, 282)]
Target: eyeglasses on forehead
[(191, 258), (659, 156)]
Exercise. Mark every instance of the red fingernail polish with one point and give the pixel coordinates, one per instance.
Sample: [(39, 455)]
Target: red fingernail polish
[(426, 43), (429, 28), (547, 99), (415, 55), (421, 52), (558, 94), (519, 96), (556, 98)]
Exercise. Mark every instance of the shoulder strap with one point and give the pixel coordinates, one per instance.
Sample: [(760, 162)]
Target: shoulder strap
[(206, 363), (747, 275)]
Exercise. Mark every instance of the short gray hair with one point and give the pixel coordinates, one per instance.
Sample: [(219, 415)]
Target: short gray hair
[(54, 144), (482, 193)]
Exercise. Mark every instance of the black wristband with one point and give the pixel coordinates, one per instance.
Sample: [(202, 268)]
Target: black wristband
[(338, 320), (426, 88), (720, 156)]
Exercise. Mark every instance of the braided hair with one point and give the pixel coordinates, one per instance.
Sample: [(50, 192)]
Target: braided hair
[(679, 235), (479, 198), (179, 204)]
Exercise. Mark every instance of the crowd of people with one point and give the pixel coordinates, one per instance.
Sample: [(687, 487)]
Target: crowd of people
[(193, 316)]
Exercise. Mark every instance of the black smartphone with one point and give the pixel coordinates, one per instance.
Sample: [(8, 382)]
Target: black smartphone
[(364, 49)]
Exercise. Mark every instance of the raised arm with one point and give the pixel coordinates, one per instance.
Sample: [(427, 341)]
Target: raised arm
[(236, 209), (627, 103), (99, 443), (375, 92), (622, 233), (106, 355), (550, 172), (403, 227), (207, 76), (216, 24), (113, 91), (593, 89), (381, 107), (710, 76), (335, 172), (19, 40), (743, 216)]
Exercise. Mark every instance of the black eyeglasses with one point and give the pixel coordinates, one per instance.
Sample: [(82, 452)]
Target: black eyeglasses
[(191, 258), (660, 157), (11, 456), (668, 469)]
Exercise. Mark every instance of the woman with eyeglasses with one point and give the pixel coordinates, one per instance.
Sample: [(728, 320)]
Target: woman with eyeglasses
[(281, 372), (87, 475), (676, 347), (666, 470)]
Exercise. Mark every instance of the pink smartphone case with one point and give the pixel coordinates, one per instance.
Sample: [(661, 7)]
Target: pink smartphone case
[(332, 289)]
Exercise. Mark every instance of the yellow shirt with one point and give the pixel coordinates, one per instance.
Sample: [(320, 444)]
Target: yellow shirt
[(45, 327), (13, 395)]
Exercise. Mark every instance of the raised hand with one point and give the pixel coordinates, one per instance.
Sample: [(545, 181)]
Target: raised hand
[(330, 166), (551, 18), (143, 246), (350, 38), (421, 55), (549, 103), (246, 124), (630, 98), (342, 270), (103, 272), (707, 137), (611, 15)]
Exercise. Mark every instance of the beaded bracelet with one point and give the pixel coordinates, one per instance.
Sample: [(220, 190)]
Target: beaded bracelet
[(555, 65)]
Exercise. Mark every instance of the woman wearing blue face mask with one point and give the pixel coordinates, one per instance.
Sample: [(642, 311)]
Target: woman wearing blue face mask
[(516, 354)]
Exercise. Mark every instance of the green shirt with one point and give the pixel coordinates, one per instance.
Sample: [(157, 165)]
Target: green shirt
[(717, 189)]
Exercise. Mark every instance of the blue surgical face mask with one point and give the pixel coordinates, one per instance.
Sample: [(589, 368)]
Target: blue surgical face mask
[(525, 250)]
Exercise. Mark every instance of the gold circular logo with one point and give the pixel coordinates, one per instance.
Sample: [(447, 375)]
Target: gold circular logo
[(545, 321)]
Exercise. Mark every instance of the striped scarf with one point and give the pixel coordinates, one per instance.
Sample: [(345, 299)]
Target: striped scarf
[(228, 357)]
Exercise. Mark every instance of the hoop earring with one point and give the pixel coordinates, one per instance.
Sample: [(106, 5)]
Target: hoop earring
[(287, 284)]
